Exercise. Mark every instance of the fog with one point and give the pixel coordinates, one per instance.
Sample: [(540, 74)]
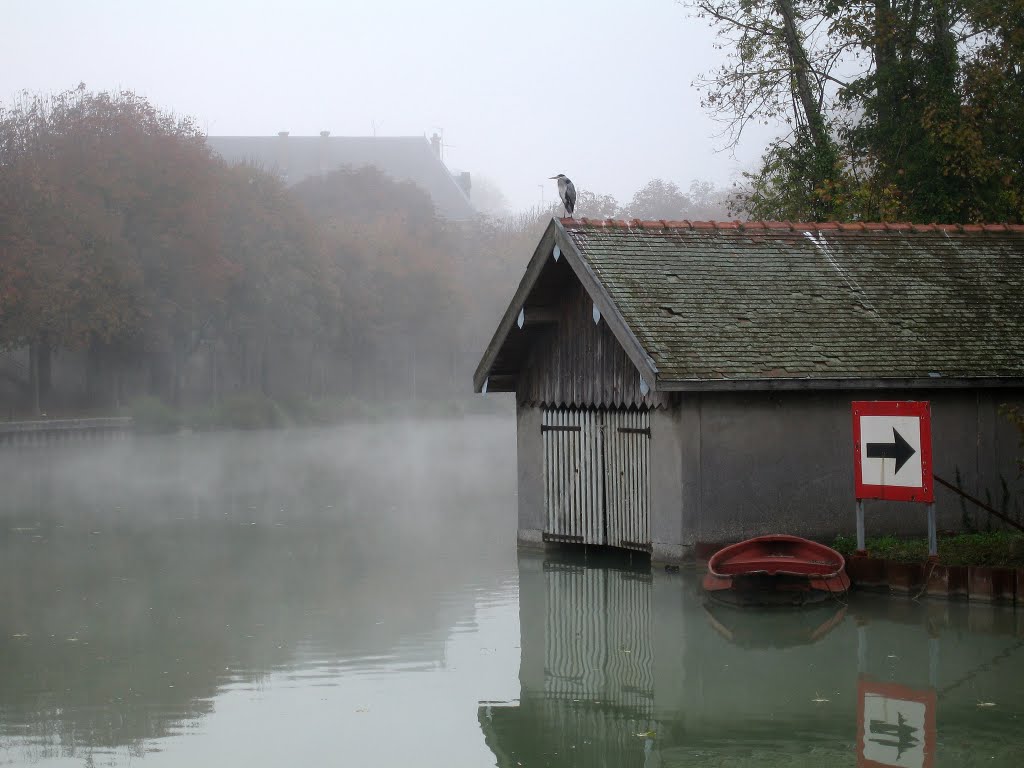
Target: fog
[(520, 92), (146, 577), (427, 478), (374, 298)]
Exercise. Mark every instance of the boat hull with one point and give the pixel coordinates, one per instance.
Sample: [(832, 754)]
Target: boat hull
[(776, 570)]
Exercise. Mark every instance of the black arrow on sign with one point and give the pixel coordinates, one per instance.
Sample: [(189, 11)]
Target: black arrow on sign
[(899, 449)]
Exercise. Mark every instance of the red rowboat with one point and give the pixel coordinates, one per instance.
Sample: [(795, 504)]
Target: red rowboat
[(776, 570)]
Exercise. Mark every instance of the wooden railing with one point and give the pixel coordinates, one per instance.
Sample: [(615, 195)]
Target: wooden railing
[(50, 431)]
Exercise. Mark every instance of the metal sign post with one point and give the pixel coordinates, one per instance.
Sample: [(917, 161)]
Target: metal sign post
[(892, 458), (861, 546)]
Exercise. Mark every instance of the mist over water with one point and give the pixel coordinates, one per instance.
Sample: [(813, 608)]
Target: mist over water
[(354, 596), (149, 585)]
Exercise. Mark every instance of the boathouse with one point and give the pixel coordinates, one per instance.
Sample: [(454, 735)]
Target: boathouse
[(680, 383)]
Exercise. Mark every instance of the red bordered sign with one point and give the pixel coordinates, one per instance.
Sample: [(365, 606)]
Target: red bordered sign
[(892, 451), (895, 725)]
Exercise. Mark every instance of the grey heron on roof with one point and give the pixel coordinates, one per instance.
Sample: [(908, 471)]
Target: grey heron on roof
[(567, 192)]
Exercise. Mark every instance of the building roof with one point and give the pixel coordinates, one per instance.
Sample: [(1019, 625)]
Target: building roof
[(701, 305), (404, 158)]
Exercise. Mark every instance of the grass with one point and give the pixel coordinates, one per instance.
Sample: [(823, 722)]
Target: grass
[(997, 548)]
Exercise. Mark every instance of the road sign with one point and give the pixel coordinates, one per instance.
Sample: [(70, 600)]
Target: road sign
[(892, 456), (895, 725)]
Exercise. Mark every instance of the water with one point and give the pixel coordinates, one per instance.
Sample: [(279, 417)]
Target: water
[(354, 597)]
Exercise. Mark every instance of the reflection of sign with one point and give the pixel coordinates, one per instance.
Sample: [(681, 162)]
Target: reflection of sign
[(893, 451), (895, 725)]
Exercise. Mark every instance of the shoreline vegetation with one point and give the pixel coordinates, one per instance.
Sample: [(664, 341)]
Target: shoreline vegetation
[(254, 410), (250, 411), (989, 548)]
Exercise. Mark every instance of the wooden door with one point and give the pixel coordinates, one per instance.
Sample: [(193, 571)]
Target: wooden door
[(627, 456), (596, 477)]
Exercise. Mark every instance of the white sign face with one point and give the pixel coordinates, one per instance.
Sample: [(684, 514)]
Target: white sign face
[(890, 451), (894, 731)]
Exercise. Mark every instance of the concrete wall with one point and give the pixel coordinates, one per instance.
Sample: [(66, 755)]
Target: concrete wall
[(783, 462), (670, 443), (530, 471), (728, 466)]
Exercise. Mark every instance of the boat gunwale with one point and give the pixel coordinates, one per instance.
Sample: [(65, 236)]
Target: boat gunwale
[(722, 554)]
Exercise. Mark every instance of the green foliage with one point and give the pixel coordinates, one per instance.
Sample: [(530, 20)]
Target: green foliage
[(997, 548), (1015, 415), (151, 416), (798, 181), (249, 410), (895, 111)]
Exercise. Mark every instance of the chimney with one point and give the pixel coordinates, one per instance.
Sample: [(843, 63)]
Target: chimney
[(465, 182), (435, 142), (322, 158), (281, 164)]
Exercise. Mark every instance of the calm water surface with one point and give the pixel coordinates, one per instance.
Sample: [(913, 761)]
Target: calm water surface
[(354, 597)]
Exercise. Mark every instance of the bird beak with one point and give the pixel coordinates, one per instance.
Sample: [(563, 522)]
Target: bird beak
[(552, 177)]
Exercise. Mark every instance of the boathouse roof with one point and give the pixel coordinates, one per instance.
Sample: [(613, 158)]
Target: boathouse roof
[(769, 305)]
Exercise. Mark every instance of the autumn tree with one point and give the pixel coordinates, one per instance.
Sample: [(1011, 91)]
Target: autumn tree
[(72, 276), (403, 286), (660, 199), (125, 237)]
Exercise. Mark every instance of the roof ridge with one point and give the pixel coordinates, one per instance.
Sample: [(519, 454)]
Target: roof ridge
[(792, 226)]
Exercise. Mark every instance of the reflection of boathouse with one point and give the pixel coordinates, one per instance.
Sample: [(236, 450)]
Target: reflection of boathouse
[(588, 675), (679, 383), (621, 667)]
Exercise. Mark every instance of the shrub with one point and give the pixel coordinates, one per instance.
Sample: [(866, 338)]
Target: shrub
[(250, 410), (151, 416)]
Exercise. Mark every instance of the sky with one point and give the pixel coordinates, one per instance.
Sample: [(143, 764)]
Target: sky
[(520, 91)]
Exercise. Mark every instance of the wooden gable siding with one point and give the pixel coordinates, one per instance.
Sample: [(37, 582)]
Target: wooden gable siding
[(580, 364)]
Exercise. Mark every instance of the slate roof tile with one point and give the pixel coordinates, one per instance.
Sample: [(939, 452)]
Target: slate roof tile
[(748, 301)]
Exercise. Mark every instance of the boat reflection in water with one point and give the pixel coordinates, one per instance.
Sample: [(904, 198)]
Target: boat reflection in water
[(633, 666), (780, 628)]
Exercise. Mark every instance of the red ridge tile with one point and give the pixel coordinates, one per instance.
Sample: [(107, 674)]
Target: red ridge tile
[(831, 226)]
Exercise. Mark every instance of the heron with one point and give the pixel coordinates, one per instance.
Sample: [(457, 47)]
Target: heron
[(567, 192)]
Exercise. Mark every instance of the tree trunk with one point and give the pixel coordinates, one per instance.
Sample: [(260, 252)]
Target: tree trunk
[(44, 358), (801, 70), (887, 99), (33, 375), (176, 377), (265, 367), (214, 384)]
